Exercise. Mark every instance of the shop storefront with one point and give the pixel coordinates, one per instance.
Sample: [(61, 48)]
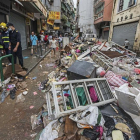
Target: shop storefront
[(21, 20)]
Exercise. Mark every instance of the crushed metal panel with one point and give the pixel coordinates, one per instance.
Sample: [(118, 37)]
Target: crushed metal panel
[(100, 85)]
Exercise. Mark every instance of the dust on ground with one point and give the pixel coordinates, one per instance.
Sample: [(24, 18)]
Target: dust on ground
[(15, 121)]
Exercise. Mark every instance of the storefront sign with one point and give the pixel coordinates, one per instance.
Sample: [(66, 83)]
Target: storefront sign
[(41, 7), (50, 22), (56, 28), (53, 15), (27, 21)]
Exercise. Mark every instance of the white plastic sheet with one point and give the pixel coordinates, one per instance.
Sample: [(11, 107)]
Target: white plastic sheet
[(90, 116), (48, 133)]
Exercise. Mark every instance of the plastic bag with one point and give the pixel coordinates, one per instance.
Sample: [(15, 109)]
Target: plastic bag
[(34, 121), (91, 133), (90, 116), (48, 133), (20, 98)]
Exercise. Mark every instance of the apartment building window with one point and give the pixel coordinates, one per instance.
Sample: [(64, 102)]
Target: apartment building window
[(131, 3), (121, 5)]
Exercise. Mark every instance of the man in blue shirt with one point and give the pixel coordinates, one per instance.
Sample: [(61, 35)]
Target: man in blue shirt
[(15, 44), (34, 41)]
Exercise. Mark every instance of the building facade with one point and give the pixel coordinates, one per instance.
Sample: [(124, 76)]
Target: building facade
[(85, 17), (102, 17), (125, 23), (68, 17), (24, 15)]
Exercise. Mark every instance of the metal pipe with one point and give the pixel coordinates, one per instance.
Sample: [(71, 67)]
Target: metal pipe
[(38, 62)]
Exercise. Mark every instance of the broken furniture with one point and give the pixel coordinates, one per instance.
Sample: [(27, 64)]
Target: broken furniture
[(102, 61), (81, 70), (76, 102)]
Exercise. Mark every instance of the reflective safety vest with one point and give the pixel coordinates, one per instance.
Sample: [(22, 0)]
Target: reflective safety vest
[(5, 38), (1, 47)]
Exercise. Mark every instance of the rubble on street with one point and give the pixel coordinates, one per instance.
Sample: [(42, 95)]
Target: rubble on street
[(92, 94)]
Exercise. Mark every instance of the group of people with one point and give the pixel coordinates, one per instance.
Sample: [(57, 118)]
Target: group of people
[(10, 42), (50, 40)]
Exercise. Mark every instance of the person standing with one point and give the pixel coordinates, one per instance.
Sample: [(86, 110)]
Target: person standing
[(15, 44), (1, 44), (126, 43), (5, 39), (34, 41), (42, 37), (53, 44), (60, 41)]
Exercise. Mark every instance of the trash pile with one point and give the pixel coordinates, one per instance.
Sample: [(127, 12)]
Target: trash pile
[(14, 84), (93, 94)]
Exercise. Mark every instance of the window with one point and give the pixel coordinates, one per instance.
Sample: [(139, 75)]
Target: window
[(131, 16), (131, 3), (126, 17), (121, 5)]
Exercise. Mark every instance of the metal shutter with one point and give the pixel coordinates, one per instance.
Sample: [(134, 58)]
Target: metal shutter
[(106, 34), (19, 23), (126, 31)]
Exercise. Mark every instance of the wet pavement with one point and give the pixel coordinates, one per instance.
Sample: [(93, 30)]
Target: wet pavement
[(15, 117)]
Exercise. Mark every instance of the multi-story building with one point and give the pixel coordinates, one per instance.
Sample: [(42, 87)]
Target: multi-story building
[(125, 23), (67, 16), (102, 18), (85, 17), (25, 15)]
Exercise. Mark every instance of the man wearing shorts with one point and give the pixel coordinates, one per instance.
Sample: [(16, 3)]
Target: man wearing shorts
[(34, 41)]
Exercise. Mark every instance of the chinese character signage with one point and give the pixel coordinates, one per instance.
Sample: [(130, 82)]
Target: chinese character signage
[(54, 15), (56, 28), (50, 22)]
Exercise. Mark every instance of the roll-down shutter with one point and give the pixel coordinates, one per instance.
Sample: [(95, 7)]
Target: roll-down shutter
[(125, 31), (19, 23)]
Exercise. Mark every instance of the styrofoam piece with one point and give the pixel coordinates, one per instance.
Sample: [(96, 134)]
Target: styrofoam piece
[(128, 100)]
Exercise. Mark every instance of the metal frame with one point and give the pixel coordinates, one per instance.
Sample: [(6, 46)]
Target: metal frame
[(102, 60), (72, 85), (1, 69), (113, 43)]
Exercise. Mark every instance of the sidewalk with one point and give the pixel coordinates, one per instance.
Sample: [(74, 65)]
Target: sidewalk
[(28, 60)]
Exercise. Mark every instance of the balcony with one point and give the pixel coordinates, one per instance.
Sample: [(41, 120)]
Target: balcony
[(98, 3), (35, 6)]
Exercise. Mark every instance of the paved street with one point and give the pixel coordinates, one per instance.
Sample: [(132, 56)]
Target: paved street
[(15, 117)]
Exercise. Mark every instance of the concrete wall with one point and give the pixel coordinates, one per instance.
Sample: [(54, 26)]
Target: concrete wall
[(135, 10), (86, 15), (107, 10)]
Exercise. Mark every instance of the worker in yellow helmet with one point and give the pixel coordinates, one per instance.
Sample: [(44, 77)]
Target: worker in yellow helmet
[(1, 42), (5, 38)]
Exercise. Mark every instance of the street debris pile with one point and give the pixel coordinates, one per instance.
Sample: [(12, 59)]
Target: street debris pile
[(13, 84), (93, 94)]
